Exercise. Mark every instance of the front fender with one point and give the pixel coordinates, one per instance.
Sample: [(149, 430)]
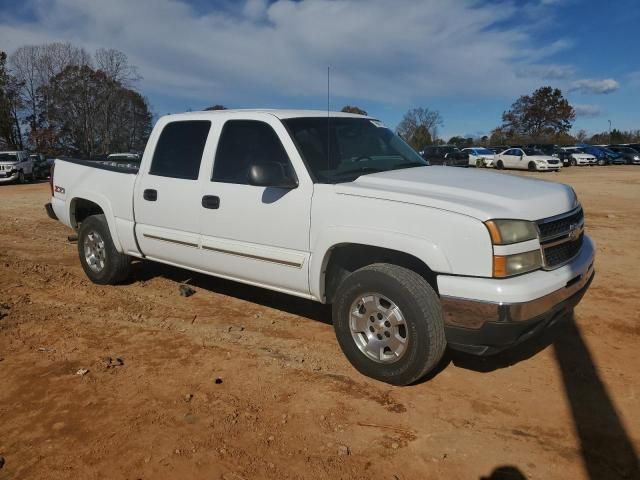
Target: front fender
[(330, 237)]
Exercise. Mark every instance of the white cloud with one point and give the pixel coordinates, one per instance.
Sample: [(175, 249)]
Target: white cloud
[(586, 85), (547, 72), (587, 110), (389, 53)]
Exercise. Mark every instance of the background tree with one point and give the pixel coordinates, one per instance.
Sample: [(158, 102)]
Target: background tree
[(461, 142), (10, 104), (33, 67), (215, 107), (581, 136), (544, 113), (79, 99), (419, 127), (353, 109)]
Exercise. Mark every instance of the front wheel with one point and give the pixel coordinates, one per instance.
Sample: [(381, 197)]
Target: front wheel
[(100, 260), (499, 165), (389, 323), (532, 166), (573, 162)]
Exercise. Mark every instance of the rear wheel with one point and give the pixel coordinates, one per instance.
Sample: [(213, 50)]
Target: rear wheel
[(389, 323), (100, 260)]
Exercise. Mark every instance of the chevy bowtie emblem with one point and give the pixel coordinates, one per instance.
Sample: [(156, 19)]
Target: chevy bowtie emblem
[(574, 232)]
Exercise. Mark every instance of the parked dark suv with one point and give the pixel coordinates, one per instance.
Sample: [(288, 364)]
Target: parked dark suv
[(629, 155), (449, 155)]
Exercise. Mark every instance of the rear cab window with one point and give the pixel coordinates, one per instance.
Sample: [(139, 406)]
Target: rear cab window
[(179, 150)]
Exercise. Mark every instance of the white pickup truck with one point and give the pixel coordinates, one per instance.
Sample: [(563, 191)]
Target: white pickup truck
[(338, 209)]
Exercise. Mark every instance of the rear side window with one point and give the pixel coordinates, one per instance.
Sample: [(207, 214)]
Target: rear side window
[(179, 149), (242, 143)]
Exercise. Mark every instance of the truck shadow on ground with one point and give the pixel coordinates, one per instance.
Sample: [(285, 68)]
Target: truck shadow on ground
[(144, 271), (606, 448)]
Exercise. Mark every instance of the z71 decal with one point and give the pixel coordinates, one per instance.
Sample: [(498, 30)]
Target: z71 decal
[(59, 189)]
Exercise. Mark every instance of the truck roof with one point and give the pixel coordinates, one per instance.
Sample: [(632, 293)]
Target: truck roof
[(279, 113)]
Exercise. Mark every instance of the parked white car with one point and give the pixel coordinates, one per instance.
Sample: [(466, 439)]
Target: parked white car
[(578, 158), (15, 166), (526, 159), (480, 156), (257, 196)]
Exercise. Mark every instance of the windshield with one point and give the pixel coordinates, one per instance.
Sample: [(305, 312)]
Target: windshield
[(355, 146), (625, 150), (532, 151), (483, 151)]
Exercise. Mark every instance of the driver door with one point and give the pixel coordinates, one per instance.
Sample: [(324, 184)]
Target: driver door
[(509, 158), (259, 235)]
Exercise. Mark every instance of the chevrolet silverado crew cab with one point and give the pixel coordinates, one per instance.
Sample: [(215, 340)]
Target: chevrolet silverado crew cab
[(338, 209)]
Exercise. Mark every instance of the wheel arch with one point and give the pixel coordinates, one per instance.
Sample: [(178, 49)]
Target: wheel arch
[(84, 205), (339, 259)]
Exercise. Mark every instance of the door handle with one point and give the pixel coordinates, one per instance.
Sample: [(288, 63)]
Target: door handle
[(211, 201), (150, 195)]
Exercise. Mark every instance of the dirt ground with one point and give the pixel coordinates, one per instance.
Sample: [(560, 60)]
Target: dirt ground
[(239, 383)]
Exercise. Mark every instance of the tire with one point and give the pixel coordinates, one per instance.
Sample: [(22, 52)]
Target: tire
[(601, 162), (531, 167), (479, 163), (21, 178), (499, 165), (418, 318), (573, 162), (100, 260)]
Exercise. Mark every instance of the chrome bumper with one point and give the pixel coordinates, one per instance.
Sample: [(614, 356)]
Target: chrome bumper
[(474, 314)]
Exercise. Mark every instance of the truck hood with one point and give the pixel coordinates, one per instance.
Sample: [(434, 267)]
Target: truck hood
[(477, 193)]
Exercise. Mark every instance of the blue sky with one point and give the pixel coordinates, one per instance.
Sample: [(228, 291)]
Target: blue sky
[(469, 59)]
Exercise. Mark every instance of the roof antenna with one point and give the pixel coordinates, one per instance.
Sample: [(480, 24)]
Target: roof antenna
[(328, 116)]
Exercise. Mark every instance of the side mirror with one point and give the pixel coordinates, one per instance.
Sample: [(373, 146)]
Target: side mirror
[(270, 174)]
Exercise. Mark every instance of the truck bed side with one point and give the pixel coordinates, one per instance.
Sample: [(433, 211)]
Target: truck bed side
[(83, 187)]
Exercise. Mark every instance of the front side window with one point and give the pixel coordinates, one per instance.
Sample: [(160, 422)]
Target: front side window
[(339, 150), (8, 157), (244, 143), (179, 149)]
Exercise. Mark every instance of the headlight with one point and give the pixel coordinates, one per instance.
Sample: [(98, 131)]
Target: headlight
[(636, 157), (504, 232), (508, 265)]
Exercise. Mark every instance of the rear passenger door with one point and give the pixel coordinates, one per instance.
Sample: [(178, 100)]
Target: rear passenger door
[(258, 235), (167, 194)]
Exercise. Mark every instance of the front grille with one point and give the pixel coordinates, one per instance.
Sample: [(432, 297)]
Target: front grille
[(561, 238), (552, 162), (561, 253), (551, 228)]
